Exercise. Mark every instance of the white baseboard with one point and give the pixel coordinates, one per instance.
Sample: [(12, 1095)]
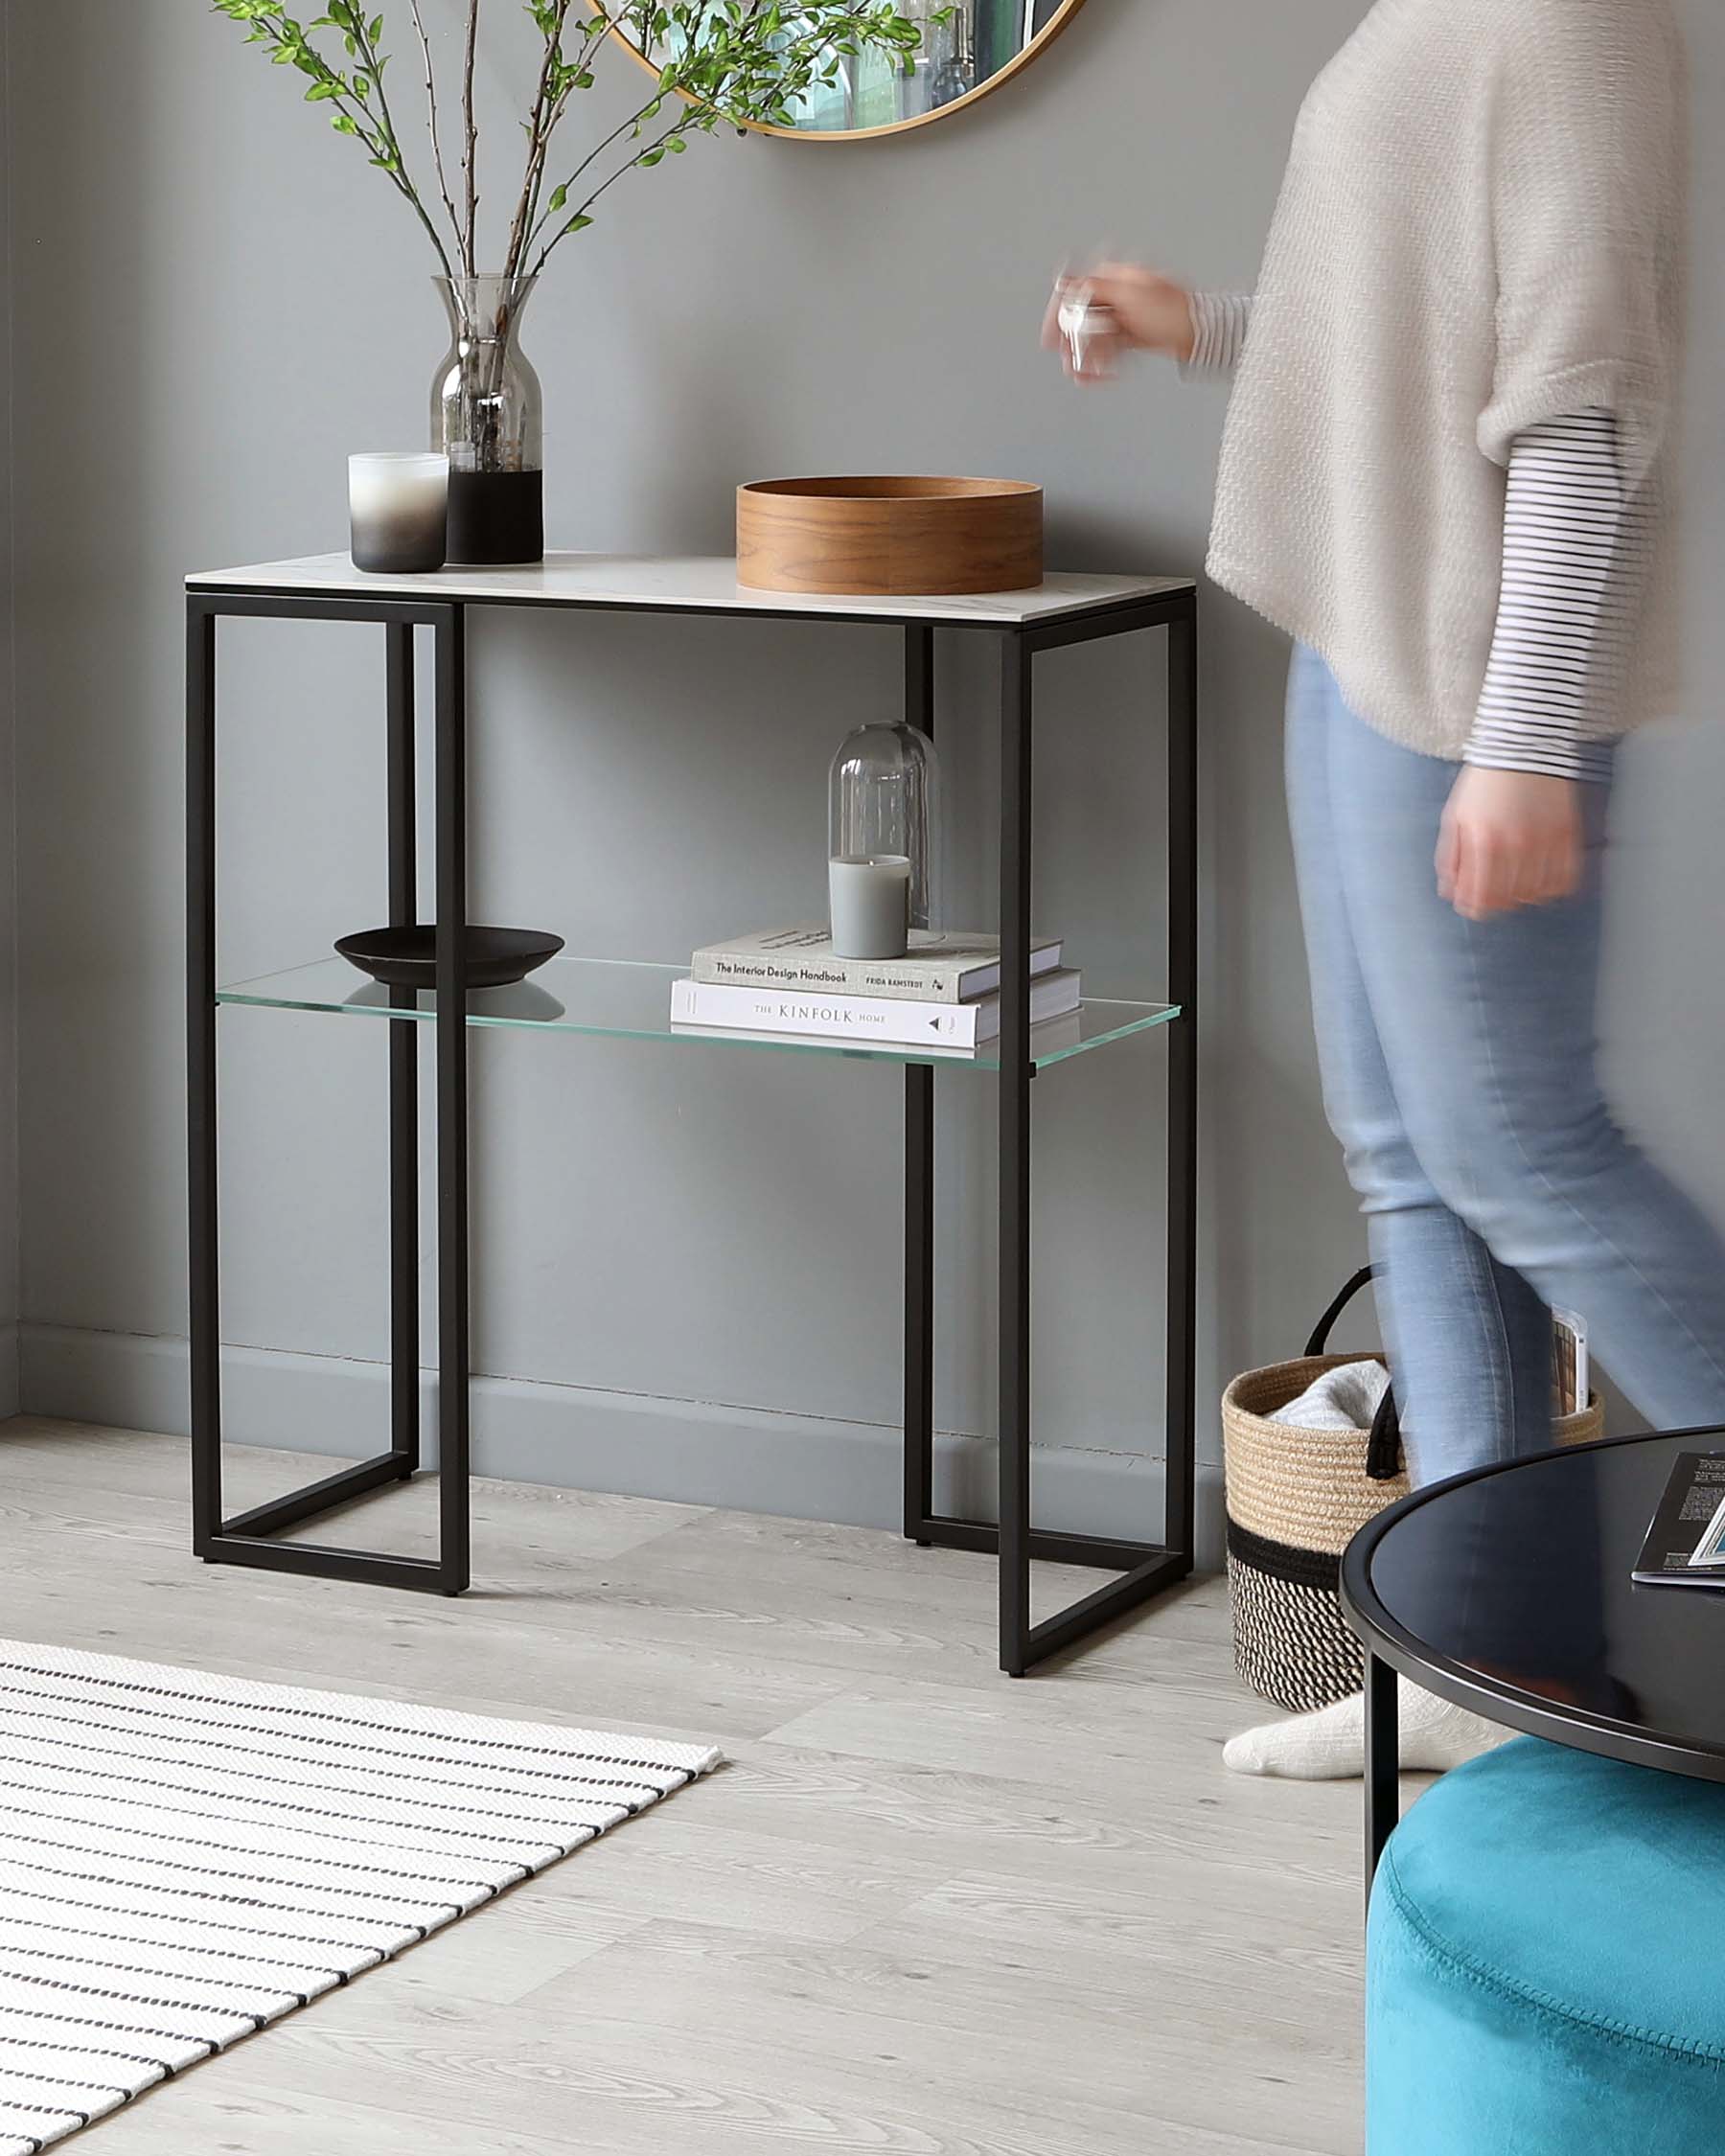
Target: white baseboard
[(749, 1459)]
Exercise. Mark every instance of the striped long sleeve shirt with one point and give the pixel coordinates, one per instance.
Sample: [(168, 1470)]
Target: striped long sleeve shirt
[(1568, 580)]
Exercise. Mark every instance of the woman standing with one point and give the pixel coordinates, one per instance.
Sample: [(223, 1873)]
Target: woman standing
[(1445, 476)]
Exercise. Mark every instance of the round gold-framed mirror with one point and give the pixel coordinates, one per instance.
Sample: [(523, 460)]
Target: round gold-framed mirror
[(962, 58)]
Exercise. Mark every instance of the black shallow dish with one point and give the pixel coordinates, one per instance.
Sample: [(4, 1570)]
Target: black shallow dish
[(407, 957)]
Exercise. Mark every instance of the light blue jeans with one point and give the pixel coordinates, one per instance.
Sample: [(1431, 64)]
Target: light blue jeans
[(1460, 1073)]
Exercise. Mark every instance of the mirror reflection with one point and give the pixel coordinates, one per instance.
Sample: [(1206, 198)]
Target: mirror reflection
[(967, 45)]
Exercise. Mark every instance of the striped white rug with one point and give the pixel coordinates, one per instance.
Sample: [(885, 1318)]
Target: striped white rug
[(185, 1858)]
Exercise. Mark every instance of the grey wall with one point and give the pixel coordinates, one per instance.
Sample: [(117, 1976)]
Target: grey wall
[(8, 998), (686, 1274)]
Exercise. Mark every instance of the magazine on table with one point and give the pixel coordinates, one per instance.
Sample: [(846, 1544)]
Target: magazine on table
[(1686, 1544), (1574, 1365)]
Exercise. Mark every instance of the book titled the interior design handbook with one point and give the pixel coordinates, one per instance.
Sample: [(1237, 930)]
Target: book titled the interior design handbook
[(942, 966)]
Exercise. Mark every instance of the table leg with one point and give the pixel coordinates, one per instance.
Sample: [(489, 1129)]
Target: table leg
[(919, 1186), (404, 1066), (452, 1029), (1014, 1317), (1382, 1763), (1180, 1421), (205, 1325)]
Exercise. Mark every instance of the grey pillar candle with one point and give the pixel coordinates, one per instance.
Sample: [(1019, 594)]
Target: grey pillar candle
[(398, 504), (871, 905)]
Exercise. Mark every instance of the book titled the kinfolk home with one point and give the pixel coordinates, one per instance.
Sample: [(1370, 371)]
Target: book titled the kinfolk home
[(891, 1021), (942, 966)]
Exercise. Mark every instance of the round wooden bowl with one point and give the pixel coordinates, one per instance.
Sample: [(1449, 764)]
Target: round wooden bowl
[(889, 537)]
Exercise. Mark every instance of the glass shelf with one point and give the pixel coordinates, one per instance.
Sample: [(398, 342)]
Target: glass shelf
[(601, 995)]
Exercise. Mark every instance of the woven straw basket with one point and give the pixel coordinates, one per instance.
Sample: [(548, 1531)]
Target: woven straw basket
[(1295, 1499)]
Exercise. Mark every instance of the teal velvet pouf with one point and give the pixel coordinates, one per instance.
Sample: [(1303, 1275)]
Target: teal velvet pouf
[(1546, 1963)]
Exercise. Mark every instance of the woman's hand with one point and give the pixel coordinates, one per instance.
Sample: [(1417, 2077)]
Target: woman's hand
[(1508, 839), (1152, 313)]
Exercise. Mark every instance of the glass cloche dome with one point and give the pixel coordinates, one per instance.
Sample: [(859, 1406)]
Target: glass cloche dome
[(883, 841)]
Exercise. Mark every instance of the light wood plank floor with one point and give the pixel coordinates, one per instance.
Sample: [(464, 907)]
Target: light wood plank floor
[(926, 1912)]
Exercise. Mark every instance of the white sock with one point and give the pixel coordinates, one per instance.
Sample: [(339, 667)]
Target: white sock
[(1330, 1745)]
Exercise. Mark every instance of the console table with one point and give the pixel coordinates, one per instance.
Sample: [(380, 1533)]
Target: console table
[(591, 995)]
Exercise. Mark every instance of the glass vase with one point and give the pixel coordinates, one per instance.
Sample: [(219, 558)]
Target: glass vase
[(883, 841), (488, 419), (952, 58)]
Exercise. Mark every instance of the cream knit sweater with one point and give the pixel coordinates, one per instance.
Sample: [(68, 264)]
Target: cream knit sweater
[(1482, 227)]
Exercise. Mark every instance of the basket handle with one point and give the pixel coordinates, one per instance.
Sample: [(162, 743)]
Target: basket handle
[(1383, 1448), (1320, 1331)]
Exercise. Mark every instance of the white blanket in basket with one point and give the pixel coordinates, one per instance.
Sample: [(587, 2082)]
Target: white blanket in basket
[(1345, 1398)]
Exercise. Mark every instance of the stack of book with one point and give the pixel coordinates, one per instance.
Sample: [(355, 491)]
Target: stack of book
[(944, 994)]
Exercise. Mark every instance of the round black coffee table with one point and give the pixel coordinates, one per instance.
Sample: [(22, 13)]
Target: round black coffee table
[(1509, 1590)]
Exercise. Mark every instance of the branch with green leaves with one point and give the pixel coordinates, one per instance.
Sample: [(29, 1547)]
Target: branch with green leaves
[(434, 117), (724, 62), (360, 107), (728, 62)]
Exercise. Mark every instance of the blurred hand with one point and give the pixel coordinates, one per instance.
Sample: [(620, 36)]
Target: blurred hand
[(1508, 839), (1151, 313)]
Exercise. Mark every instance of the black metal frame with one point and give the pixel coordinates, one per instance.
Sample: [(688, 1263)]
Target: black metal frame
[(1390, 1647), (248, 1538), (1145, 1568)]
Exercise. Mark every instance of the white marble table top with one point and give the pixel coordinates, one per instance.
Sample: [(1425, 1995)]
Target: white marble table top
[(706, 583)]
